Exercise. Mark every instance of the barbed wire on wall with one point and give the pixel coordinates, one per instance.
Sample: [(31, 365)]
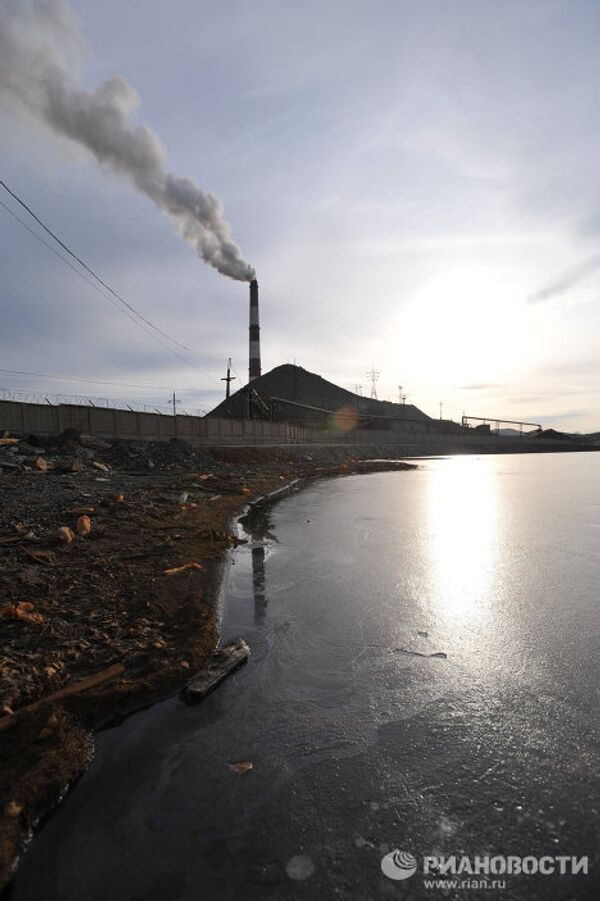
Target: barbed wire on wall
[(36, 397)]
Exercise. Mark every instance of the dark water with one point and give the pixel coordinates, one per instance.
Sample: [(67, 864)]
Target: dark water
[(359, 747)]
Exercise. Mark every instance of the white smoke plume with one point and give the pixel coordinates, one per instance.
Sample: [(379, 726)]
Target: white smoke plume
[(40, 46)]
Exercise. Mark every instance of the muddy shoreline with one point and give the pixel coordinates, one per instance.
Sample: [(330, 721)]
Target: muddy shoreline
[(139, 592)]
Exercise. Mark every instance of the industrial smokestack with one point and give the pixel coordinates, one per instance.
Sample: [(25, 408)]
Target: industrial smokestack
[(254, 367)]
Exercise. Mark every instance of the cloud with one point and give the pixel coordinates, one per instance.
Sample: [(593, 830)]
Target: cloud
[(482, 387), (567, 281)]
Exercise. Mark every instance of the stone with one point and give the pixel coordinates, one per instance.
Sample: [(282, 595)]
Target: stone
[(94, 442), (83, 526)]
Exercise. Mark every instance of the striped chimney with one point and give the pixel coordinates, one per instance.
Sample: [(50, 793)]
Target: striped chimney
[(254, 367)]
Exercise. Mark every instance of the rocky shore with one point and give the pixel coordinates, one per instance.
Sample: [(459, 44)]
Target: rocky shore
[(112, 558)]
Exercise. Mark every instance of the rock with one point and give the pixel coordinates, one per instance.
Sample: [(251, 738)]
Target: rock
[(12, 810), (28, 451), (94, 442), (68, 440), (41, 464), (83, 526), (65, 535), (101, 466)]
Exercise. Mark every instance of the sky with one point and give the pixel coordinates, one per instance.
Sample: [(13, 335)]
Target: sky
[(415, 183)]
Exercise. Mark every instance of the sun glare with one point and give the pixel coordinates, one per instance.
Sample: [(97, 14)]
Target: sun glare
[(472, 326)]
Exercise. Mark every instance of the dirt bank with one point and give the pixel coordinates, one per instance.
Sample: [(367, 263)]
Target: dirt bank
[(112, 565)]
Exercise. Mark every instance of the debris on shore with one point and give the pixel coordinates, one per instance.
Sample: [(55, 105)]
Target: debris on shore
[(218, 666), (112, 554)]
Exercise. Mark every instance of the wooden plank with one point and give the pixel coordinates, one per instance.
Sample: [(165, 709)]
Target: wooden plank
[(219, 665), (117, 669)]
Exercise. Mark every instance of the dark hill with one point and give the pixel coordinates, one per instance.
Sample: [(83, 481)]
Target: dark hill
[(554, 435), (296, 384)]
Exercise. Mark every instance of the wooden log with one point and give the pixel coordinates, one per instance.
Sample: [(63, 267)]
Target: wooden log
[(219, 665), (112, 672)]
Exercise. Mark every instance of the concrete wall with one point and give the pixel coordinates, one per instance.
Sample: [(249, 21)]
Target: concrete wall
[(423, 438), (44, 420)]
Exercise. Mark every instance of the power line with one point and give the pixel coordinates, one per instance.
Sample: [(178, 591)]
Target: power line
[(101, 293), (91, 283), (127, 309), (51, 248), (89, 269), (66, 378)]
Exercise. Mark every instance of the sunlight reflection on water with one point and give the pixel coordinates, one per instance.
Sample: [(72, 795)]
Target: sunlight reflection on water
[(462, 539)]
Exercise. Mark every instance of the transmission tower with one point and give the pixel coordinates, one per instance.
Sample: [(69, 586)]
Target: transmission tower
[(358, 389), (372, 376)]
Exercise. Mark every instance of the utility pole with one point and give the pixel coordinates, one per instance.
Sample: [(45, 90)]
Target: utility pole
[(401, 398), (373, 375), (174, 401), (441, 408), (228, 378)]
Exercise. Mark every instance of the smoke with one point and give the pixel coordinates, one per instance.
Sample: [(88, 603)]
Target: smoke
[(41, 48)]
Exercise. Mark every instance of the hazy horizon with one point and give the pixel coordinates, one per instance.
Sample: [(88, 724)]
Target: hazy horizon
[(413, 182)]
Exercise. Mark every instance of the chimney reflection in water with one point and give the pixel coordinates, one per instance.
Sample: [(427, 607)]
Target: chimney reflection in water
[(258, 582)]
